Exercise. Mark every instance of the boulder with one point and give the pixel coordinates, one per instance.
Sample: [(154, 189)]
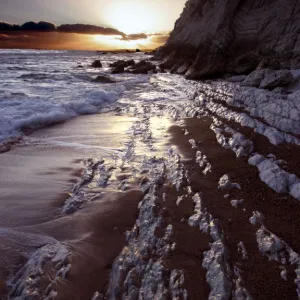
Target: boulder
[(269, 79), (273, 64), (143, 67), (255, 78), (238, 78), (273, 79), (118, 69), (104, 79), (4, 147), (122, 63), (137, 50), (161, 70), (97, 64)]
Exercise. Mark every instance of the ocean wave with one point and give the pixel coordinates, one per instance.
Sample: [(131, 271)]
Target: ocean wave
[(51, 90), (35, 114)]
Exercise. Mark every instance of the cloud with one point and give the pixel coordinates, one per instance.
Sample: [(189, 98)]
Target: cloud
[(88, 29), (15, 37), (40, 26), (134, 37), (28, 26), (9, 27), (43, 26)]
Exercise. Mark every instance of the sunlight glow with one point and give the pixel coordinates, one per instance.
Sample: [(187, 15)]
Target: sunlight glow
[(131, 16), (115, 42)]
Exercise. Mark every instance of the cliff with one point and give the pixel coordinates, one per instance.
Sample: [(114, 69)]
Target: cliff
[(213, 37)]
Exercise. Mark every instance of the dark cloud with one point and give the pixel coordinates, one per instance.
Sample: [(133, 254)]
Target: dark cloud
[(43, 26), (134, 37), (66, 28), (9, 27), (28, 26), (40, 26), (88, 29)]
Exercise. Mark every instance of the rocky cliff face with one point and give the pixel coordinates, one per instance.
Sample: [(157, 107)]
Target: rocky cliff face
[(213, 37)]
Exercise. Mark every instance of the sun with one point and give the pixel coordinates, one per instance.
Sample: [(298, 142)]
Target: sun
[(130, 16)]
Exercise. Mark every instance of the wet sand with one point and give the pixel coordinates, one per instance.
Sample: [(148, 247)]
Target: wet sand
[(43, 168), (262, 277), (37, 176)]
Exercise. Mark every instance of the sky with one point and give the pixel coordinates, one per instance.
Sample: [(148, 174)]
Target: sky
[(128, 16)]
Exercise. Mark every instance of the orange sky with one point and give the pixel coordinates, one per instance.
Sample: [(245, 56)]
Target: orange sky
[(128, 16), (73, 41)]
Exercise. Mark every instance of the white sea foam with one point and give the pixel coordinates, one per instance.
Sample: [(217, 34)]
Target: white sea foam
[(38, 90)]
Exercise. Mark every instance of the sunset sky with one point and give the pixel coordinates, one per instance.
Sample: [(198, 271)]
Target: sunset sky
[(127, 16)]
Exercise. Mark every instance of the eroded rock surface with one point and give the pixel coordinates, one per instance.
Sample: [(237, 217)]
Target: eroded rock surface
[(216, 37)]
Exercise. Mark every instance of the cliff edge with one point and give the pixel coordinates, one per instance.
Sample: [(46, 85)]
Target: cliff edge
[(214, 37)]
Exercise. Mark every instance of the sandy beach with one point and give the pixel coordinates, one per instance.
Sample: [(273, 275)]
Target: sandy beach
[(37, 176)]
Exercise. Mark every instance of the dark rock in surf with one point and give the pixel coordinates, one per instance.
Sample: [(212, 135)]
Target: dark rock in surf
[(103, 79), (143, 67), (4, 147), (117, 70), (137, 50), (97, 64), (122, 63)]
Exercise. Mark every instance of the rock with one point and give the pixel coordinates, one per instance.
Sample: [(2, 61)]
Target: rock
[(257, 218), (137, 50), (143, 67), (215, 37), (80, 66), (236, 203), (104, 79), (269, 64), (273, 79), (295, 190), (4, 147), (239, 78), (3, 287), (98, 296), (97, 64), (122, 64), (269, 79), (118, 70), (255, 78)]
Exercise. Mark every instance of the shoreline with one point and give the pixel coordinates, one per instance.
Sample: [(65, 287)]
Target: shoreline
[(45, 165), (101, 234)]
